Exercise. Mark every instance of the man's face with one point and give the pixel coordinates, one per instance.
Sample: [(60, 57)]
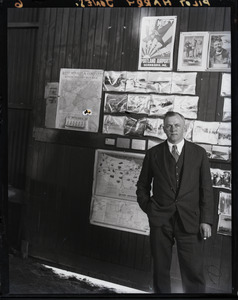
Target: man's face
[(174, 129), (217, 45)]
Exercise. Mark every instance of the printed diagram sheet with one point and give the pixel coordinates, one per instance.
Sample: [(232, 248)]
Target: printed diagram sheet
[(114, 192), (119, 214), (79, 99)]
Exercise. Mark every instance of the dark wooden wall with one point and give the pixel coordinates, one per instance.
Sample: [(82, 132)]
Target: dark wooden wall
[(22, 36), (60, 163)]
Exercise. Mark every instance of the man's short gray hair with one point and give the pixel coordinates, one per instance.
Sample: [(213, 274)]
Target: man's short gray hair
[(173, 114)]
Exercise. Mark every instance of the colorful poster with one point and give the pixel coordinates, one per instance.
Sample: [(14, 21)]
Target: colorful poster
[(115, 103), (205, 132), (183, 83), (159, 82), (113, 124), (157, 43), (219, 51), (160, 105), (187, 106), (79, 99), (138, 103), (193, 47), (114, 81)]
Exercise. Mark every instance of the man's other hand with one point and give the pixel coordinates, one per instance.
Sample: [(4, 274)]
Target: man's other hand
[(205, 230)]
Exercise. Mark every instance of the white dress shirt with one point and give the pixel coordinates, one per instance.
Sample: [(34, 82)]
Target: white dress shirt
[(179, 146)]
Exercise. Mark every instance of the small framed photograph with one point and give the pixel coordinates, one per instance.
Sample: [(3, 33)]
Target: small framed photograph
[(219, 51), (192, 54)]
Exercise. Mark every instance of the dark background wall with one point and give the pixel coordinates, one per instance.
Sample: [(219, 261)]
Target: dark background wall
[(54, 168)]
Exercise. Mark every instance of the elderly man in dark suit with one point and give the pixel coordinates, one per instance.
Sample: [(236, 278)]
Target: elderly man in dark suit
[(175, 191)]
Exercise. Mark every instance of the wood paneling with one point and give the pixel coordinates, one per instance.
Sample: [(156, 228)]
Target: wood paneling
[(21, 54)]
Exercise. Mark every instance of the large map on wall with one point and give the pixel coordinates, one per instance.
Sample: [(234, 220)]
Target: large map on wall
[(114, 202), (80, 92)]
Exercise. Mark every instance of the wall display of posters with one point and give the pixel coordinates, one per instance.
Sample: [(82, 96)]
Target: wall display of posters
[(138, 103), (154, 127), (221, 178), (188, 129), (115, 103), (114, 202), (157, 43), (79, 99), (134, 126), (208, 149), (193, 47), (224, 211), (159, 82), (136, 82), (224, 134), (219, 51), (187, 106), (113, 124), (160, 105), (51, 98), (183, 83), (205, 132), (221, 153), (226, 110), (114, 81), (226, 85)]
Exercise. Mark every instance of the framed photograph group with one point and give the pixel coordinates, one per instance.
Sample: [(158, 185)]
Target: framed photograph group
[(204, 51)]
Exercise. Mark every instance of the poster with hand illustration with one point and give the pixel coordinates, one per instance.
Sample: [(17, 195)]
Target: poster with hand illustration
[(157, 43)]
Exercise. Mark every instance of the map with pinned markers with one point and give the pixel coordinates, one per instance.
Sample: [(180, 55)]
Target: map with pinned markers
[(114, 202)]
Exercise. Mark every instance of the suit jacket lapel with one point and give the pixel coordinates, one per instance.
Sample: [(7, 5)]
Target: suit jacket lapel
[(162, 164), (188, 161)]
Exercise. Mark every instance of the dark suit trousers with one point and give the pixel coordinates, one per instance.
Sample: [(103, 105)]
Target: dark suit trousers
[(190, 255)]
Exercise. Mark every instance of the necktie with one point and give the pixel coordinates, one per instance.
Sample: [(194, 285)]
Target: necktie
[(175, 152)]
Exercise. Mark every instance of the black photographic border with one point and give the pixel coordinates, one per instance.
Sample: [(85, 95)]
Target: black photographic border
[(4, 5)]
